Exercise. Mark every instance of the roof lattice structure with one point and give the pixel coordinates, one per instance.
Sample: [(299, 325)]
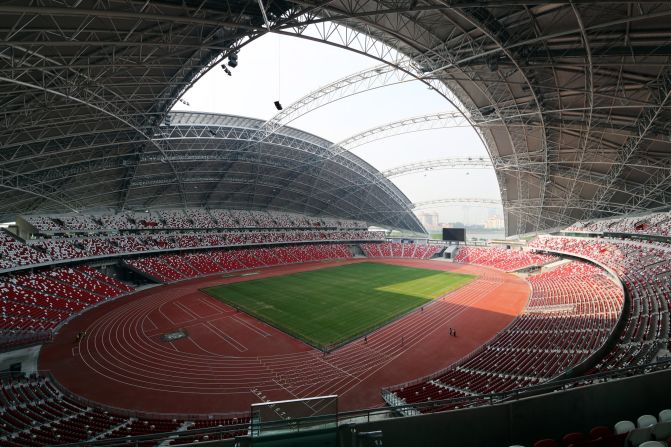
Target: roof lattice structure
[(571, 98)]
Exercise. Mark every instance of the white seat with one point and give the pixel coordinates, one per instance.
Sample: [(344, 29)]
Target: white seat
[(624, 427), (652, 444), (646, 421), (665, 415)]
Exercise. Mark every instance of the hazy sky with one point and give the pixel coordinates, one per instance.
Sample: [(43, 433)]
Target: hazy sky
[(287, 68)]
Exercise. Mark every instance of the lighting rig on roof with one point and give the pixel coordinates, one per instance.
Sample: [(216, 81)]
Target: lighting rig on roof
[(232, 62)]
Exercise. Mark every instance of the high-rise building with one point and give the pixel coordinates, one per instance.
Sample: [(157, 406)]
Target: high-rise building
[(429, 220)]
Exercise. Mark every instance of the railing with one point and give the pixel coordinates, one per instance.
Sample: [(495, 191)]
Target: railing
[(372, 414)]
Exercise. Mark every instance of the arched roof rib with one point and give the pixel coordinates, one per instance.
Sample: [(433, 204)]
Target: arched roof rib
[(548, 84), (569, 83), (84, 94)]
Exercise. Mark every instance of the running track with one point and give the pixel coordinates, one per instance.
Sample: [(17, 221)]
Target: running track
[(230, 360)]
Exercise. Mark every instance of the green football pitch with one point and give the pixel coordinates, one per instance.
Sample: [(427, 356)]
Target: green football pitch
[(330, 306)]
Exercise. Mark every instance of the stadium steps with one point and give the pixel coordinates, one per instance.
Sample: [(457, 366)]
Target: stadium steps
[(394, 400), (48, 423), (184, 427), (440, 384), (493, 373), (142, 273), (104, 434), (553, 265)]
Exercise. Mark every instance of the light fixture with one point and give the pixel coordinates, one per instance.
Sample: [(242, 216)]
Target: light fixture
[(233, 60), (278, 106)]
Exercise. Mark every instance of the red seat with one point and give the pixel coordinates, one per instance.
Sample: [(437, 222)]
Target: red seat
[(547, 443), (573, 438), (600, 431)]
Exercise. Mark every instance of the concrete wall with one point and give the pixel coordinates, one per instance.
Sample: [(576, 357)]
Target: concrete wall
[(527, 420), (26, 356)]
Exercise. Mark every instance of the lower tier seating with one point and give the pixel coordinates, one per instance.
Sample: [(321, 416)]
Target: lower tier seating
[(502, 258), (177, 267), (35, 413), (399, 250), (645, 270), (571, 313)]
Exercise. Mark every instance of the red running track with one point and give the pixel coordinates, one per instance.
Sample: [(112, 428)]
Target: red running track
[(230, 360)]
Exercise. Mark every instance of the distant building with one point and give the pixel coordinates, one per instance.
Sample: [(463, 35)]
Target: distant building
[(494, 223), (429, 220)]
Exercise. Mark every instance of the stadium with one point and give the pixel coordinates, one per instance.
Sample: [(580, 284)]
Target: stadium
[(173, 276)]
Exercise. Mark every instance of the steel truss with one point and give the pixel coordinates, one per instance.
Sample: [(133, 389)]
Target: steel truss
[(549, 89), (570, 98), (457, 201)]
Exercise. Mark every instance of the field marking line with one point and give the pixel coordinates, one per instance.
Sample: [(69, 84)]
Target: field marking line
[(250, 326), (338, 368), (224, 336), (193, 340), (395, 353), (191, 313), (295, 396), (160, 310), (209, 303), (150, 321), (417, 341), (121, 320)]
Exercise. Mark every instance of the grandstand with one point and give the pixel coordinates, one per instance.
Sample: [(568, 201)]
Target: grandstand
[(165, 273)]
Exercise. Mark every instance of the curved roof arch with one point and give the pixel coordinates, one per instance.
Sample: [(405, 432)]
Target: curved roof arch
[(580, 88)]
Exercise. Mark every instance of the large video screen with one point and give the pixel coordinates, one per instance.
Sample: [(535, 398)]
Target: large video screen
[(454, 234)]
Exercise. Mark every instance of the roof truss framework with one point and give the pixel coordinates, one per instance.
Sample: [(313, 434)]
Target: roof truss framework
[(197, 146), (567, 81), (570, 98)]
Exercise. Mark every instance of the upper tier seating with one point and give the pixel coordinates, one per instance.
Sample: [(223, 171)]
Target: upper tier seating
[(502, 258), (572, 311), (644, 269), (658, 224), (191, 218), (77, 222), (98, 246), (169, 268), (43, 223), (223, 219), (201, 218), (121, 221), (399, 250), (58, 249), (15, 253)]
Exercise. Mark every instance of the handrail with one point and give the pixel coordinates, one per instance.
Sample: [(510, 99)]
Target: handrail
[(370, 414)]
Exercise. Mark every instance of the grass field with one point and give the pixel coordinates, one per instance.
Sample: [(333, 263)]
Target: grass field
[(332, 305)]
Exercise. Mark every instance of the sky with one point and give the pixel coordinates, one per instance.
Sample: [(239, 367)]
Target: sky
[(285, 68)]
